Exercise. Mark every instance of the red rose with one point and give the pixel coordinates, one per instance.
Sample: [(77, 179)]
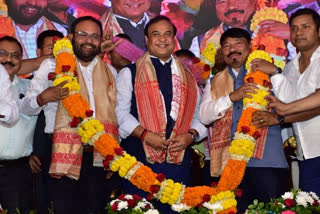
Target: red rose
[(114, 207), (289, 202), (161, 177), (266, 83), (256, 135), (131, 202), (148, 206), (154, 188), (89, 113), (109, 157), (200, 205), (231, 212), (75, 74), (315, 203), (105, 164), (65, 68), (214, 184), (75, 122), (55, 38), (195, 60), (122, 197), (118, 151), (250, 79), (136, 197), (275, 203), (261, 47), (206, 67), (52, 76), (149, 197), (239, 193), (206, 198), (245, 129)]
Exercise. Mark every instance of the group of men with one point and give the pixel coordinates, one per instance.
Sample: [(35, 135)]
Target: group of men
[(155, 107)]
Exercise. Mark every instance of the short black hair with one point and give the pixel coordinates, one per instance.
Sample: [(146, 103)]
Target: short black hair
[(235, 33), (184, 52), (12, 39), (306, 11), (124, 36), (86, 18), (45, 34), (156, 20)]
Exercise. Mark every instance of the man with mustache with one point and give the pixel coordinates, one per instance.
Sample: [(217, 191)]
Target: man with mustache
[(16, 140), (221, 104), (231, 13), (157, 103), (129, 17), (80, 186), (299, 80)]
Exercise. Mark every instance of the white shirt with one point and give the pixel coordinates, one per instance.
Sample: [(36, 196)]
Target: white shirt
[(40, 82), (126, 121), (292, 85), (144, 19), (8, 106), (17, 140)]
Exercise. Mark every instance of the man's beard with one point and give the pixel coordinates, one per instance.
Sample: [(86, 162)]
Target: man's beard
[(83, 56), (18, 17)]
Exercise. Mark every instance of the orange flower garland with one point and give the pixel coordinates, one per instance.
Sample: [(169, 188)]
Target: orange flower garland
[(142, 176)]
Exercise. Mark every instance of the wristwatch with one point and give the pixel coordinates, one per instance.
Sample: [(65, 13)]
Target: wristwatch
[(280, 118), (277, 71)]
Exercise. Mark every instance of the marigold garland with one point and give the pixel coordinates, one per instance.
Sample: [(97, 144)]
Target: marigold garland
[(166, 190)]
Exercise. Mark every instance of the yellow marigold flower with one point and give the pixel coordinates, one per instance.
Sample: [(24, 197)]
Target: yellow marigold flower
[(257, 54), (62, 44)]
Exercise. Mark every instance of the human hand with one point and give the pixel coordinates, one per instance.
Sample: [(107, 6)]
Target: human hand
[(243, 91), (275, 28), (107, 45), (35, 164), (263, 65), (280, 107), (155, 140), (181, 142), (53, 94), (264, 118)]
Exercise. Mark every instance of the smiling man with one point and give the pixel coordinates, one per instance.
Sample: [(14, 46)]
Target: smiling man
[(222, 105), (29, 22), (231, 13), (129, 17), (16, 140), (157, 103)]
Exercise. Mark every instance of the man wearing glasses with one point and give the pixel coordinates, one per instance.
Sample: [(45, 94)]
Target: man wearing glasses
[(79, 186), (16, 139)]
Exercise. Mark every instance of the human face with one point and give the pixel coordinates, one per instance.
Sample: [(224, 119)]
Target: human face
[(303, 33), (234, 12), (10, 57), (47, 47), (26, 12), (131, 9), (117, 61), (86, 41), (160, 40), (235, 52)]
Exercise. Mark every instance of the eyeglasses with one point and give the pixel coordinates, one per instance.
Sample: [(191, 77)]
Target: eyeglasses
[(13, 55), (84, 36)]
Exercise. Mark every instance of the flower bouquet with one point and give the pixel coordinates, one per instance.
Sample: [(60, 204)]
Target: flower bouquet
[(294, 202), (130, 204)]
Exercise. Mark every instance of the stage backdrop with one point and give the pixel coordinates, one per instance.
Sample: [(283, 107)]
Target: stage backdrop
[(198, 21)]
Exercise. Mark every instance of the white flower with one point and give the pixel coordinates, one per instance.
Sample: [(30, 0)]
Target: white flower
[(287, 195), (179, 207), (151, 211), (301, 201), (114, 201), (215, 207), (306, 196), (122, 205), (128, 197), (314, 196), (140, 205)]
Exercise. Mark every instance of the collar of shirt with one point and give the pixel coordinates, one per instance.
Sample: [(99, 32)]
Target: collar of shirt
[(315, 55), (90, 66), (162, 62), (144, 20), (33, 27), (235, 72)]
